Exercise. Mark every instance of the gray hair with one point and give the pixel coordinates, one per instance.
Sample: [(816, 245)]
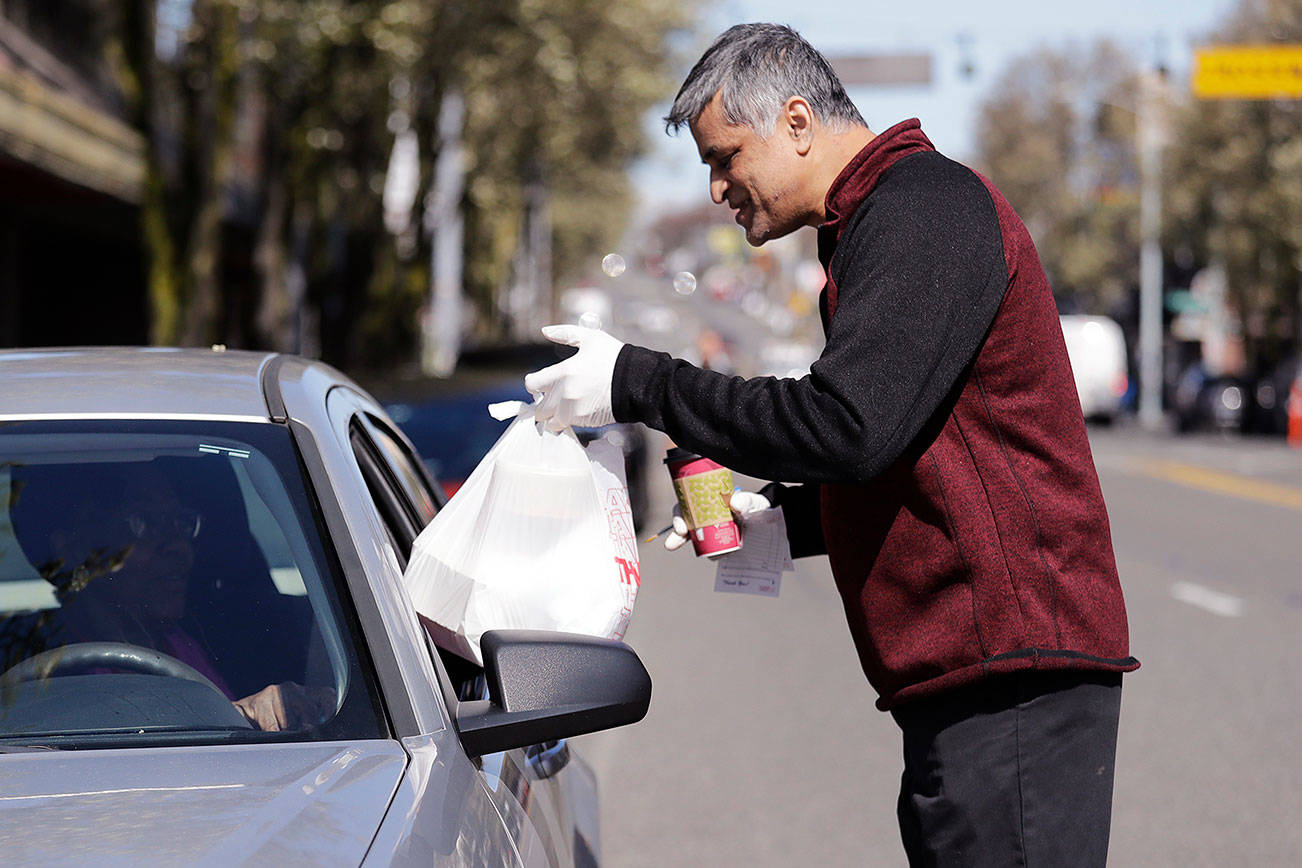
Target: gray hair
[(756, 68)]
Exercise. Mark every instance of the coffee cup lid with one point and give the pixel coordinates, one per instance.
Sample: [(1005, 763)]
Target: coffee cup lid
[(679, 454)]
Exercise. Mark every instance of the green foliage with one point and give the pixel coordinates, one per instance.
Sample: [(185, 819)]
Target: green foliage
[(556, 91), (1057, 138), (1234, 187), (271, 125)]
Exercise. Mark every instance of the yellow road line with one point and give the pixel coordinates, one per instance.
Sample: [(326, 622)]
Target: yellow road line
[(1220, 482)]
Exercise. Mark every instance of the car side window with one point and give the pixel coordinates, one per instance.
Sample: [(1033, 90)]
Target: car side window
[(404, 520), (408, 471), (397, 513)]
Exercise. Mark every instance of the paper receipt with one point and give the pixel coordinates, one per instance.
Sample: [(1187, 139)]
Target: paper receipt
[(757, 567)]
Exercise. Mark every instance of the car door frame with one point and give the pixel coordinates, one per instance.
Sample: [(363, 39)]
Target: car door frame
[(373, 575), (529, 796), (440, 807)]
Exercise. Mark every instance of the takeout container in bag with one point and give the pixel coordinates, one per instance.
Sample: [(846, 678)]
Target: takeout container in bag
[(540, 536)]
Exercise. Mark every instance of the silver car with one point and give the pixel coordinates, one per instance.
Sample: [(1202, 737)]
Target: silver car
[(206, 652)]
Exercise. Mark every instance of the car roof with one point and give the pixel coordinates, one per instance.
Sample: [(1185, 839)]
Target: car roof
[(134, 382)]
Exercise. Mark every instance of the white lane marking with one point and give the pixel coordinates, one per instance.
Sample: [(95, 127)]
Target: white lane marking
[(1225, 605)]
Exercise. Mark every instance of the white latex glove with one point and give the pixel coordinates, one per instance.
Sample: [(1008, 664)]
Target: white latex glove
[(577, 390), (743, 504)]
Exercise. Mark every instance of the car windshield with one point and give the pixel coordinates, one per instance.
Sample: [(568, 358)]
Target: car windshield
[(167, 582)]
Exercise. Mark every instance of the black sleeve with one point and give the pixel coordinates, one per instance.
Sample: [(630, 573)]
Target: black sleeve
[(802, 511), (921, 272)]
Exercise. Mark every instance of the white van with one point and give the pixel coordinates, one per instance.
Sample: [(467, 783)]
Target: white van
[(1097, 350)]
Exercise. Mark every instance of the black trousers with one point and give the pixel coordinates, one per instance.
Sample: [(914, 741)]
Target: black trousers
[(1014, 770)]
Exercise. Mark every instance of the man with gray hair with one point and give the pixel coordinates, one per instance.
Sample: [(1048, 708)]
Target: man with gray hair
[(938, 444)]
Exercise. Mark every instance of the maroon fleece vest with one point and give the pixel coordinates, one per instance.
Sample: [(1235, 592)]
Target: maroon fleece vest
[(989, 550)]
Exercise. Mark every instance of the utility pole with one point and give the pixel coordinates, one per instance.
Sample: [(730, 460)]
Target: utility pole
[(1152, 139), (441, 324), (527, 300)]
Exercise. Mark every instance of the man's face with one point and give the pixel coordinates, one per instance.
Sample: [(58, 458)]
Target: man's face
[(759, 179)]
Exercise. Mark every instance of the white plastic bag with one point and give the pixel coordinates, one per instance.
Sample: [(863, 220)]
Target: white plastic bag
[(540, 536)]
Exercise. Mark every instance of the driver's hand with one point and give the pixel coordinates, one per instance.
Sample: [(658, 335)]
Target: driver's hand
[(278, 707), (743, 504)]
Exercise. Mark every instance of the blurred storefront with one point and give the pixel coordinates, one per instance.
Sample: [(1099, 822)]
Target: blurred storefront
[(71, 173)]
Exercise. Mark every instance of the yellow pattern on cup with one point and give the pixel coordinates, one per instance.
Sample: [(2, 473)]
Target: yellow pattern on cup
[(704, 497)]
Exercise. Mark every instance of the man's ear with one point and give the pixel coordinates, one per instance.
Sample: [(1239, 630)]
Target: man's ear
[(797, 122)]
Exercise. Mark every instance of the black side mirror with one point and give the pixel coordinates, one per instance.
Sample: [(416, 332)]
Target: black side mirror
[(544, 686)]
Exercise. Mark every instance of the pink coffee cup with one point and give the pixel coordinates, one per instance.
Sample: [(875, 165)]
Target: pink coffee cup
[(704, 489)]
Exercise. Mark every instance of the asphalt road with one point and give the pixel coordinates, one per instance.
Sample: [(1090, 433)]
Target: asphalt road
[(762, 746)]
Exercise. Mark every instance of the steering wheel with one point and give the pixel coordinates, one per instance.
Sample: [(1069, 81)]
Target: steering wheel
[(84, 656)]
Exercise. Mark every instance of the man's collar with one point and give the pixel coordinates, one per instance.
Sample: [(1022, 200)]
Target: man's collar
[(860, 175)]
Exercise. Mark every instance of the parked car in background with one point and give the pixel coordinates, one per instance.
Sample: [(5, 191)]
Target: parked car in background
[(1206, 402), (1097, 349), (1271, 393), (207, 655)]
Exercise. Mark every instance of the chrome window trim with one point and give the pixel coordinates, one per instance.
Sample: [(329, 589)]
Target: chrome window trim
[(109, 416)]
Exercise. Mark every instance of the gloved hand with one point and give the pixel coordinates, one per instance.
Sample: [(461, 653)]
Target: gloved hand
[(577, 390), (743, 504)]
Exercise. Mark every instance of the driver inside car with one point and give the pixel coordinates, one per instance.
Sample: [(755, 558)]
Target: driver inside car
[(117, 544)]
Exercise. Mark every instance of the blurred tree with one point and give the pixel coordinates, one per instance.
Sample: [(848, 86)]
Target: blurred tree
[(271, 125), (208, 67), (1234, 189), (1058, 139), (556, 95), (321, 75), (186, 105)]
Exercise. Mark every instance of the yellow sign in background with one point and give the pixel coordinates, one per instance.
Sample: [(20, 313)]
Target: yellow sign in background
[(1248, 72)]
